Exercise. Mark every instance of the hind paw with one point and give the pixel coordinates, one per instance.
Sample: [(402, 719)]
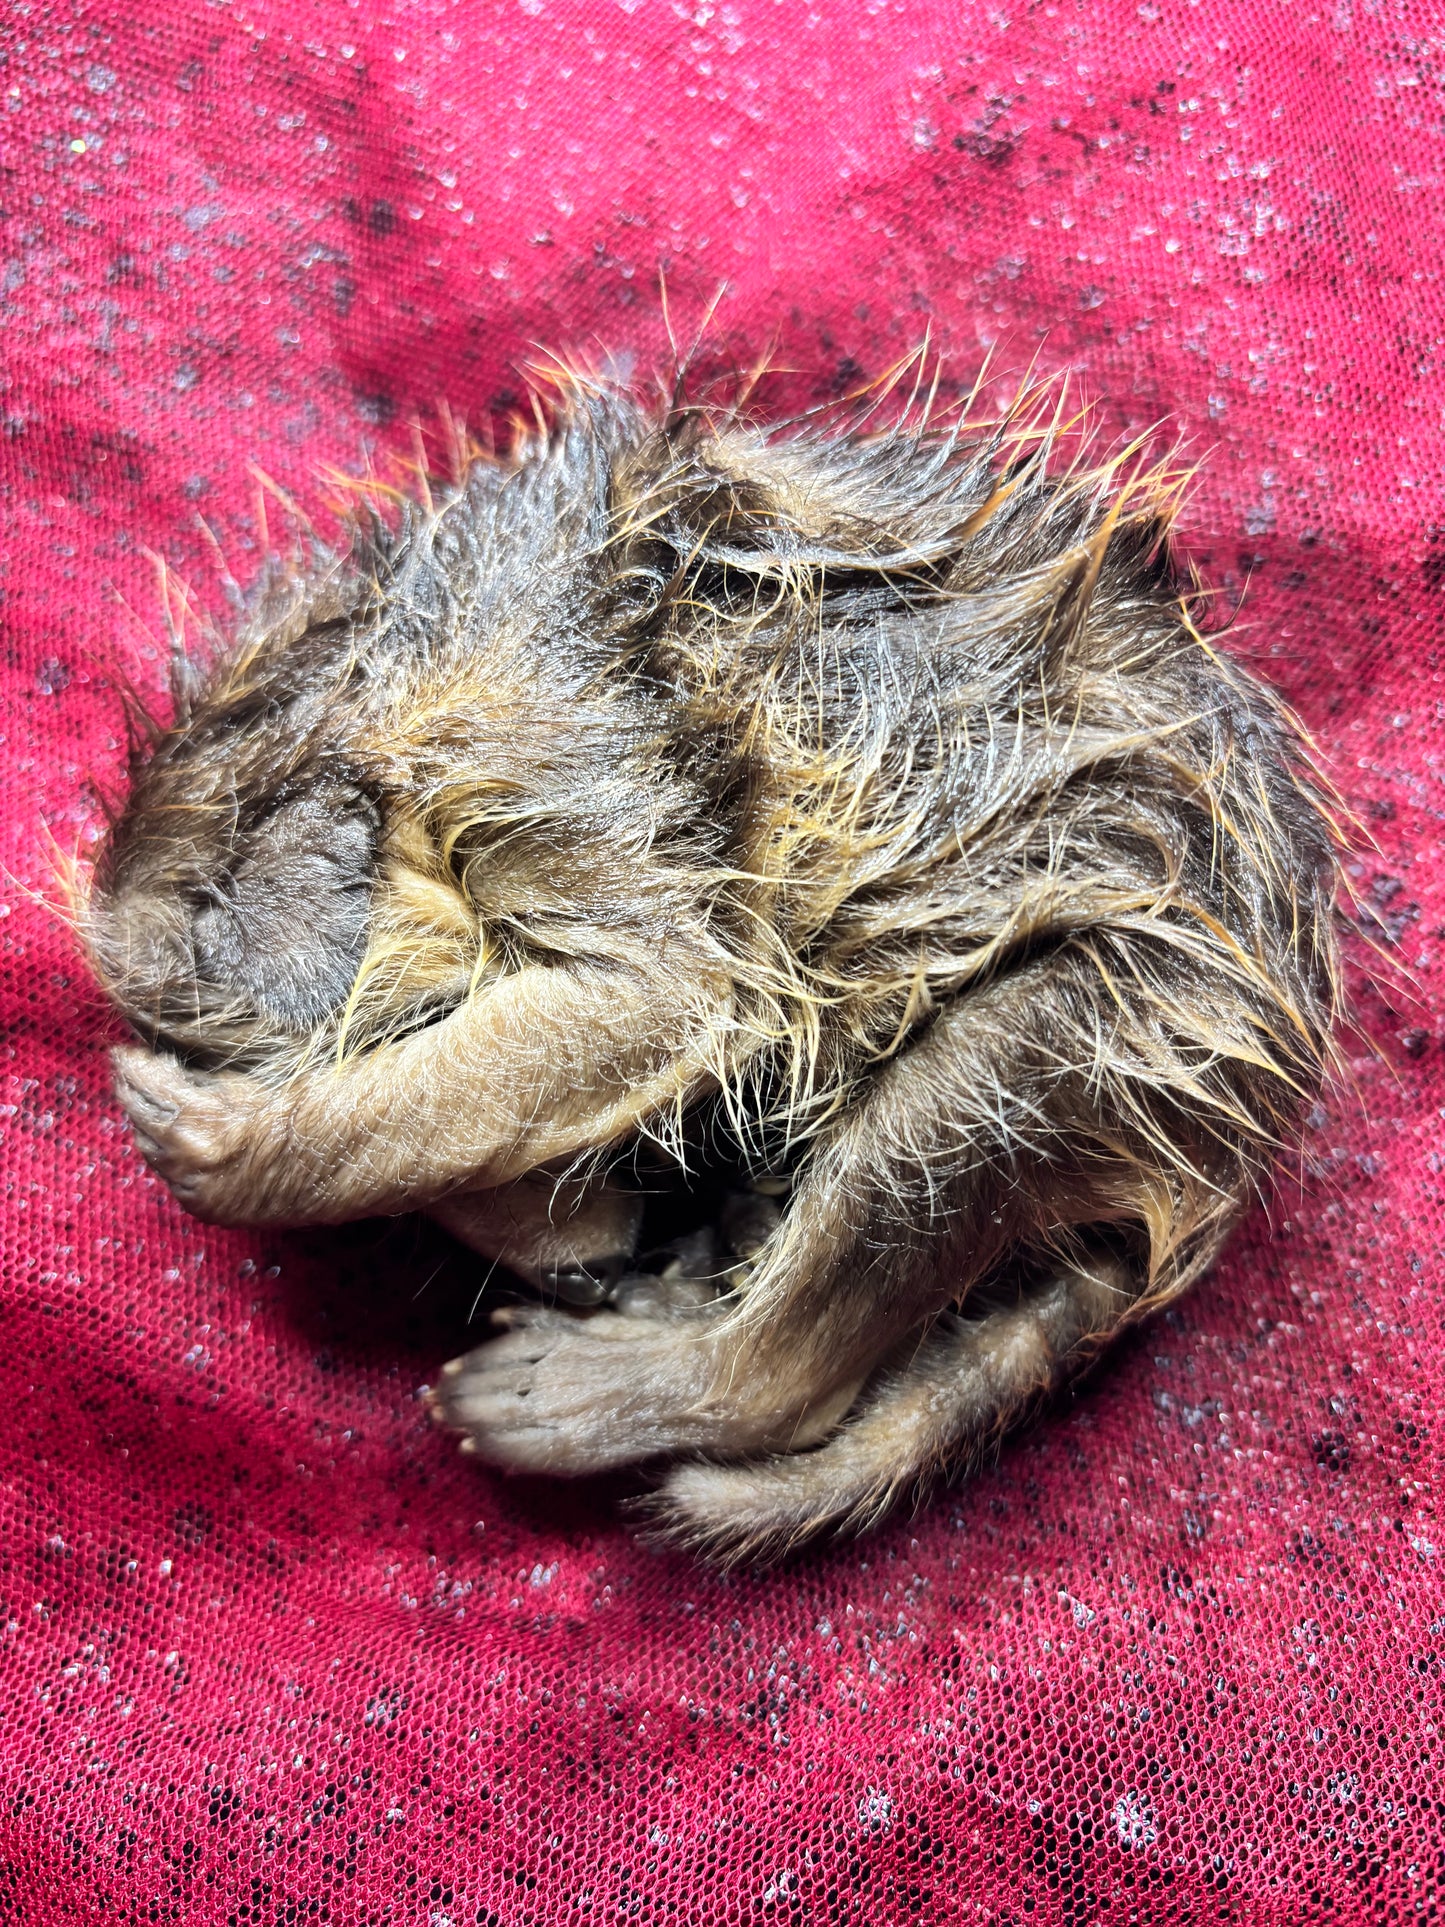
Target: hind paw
[(562, 1394)]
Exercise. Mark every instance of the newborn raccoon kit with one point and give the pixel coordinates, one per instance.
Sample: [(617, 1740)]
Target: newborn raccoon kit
[(864, 794)]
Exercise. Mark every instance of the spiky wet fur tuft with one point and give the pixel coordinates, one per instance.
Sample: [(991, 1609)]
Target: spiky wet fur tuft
[(1018, 890)]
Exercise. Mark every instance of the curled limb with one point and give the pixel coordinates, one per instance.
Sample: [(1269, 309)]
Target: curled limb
[(937, 1410), (547, 1064)]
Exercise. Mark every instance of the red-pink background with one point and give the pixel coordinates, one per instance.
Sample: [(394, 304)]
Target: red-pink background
[(272, 1653)]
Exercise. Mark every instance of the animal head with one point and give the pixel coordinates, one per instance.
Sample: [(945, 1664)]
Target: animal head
[(233, 894)]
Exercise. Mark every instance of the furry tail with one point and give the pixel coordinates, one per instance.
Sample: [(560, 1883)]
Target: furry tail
[(967, 1383)]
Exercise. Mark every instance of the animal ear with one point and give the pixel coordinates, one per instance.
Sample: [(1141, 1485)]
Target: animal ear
[(287, 927)]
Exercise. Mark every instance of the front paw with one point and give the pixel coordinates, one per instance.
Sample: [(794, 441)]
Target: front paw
[(201, 1132)]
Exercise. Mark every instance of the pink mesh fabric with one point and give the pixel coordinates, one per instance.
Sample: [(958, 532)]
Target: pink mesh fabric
[(272, 1653)]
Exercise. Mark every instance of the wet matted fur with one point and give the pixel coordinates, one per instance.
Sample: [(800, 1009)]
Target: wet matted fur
[(862, 795)]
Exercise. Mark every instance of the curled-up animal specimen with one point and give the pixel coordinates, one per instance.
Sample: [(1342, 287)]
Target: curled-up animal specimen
[(863, 796)]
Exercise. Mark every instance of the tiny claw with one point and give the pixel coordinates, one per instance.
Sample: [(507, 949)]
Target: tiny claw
[(468, 1446), (453, 1368), (144, 1104)]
